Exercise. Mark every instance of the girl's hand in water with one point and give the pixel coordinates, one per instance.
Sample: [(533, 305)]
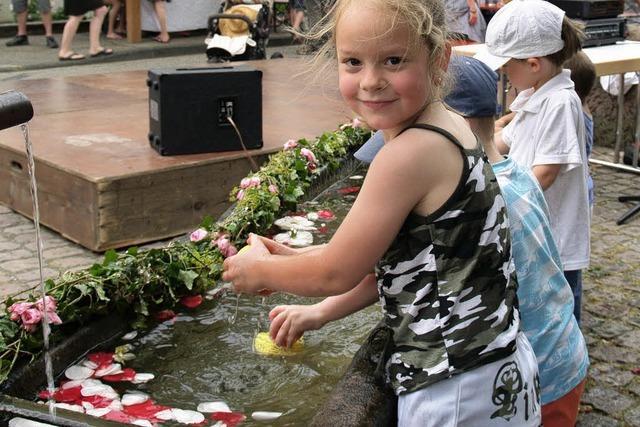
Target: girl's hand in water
[(289, 322), (237, 269)]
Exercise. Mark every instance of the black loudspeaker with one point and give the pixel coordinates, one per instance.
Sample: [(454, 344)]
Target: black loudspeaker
[(590, 9), (189, 109)]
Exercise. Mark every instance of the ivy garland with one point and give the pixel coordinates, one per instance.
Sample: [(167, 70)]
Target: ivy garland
[(156, 279)]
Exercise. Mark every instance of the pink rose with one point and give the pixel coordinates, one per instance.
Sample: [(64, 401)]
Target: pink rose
[(245, 183), (255, 181), (48, 301), (356, 123), (198, 235), (290, 144), (308, 154), (53, 317), (240, 195), (18, 308), (226, 248), (273, 189), (31, 316)]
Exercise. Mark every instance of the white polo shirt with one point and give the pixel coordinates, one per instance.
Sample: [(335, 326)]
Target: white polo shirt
[(548, 128)]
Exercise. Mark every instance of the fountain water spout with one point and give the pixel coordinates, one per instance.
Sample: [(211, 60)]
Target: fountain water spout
[(15, 109)]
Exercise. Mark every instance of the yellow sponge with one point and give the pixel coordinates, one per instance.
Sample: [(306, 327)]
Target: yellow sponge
[(263, 344)]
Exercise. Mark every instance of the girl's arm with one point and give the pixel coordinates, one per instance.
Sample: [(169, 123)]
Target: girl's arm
[(405, 172), (473, 12), (290, 322), (546, 174)]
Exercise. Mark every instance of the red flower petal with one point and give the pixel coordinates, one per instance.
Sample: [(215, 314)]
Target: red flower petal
[(323, 230), (44, 394), (127, 374), (97, 401), (165, 315), (118, 416), (635, 371), (326, 214), (68, 395), (348, 190), (191, 301), (231, 419), (101, 358), (146, 410)]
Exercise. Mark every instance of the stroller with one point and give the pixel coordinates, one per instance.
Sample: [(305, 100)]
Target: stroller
[(239, 32)]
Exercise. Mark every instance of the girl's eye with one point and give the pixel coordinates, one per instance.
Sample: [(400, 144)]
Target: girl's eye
[(352, 62), (394, 60)]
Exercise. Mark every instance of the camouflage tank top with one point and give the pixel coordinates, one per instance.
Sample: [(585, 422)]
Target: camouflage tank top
[(447, 283)]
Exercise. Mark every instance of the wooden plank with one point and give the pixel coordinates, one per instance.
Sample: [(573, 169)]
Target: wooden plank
[(134, 30), (103, 186)]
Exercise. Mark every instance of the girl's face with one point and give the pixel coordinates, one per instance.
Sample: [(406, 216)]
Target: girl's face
[(381, 79), (519, 73)]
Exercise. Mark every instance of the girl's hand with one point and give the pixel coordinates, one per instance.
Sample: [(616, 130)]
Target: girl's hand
[(289, 322), (473, 17), (237, 269), (276, 248)]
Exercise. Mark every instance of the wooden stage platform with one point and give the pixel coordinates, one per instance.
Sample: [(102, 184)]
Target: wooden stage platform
[(103, 186)]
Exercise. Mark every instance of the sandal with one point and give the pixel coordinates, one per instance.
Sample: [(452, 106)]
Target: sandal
[(73, 56), (159, 40), (105, 51), (114, 36)]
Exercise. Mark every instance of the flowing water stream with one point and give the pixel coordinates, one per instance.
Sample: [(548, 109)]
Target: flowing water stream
[(46, 330)]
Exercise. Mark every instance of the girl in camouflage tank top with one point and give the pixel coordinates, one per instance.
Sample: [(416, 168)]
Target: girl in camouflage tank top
[(430, 213)]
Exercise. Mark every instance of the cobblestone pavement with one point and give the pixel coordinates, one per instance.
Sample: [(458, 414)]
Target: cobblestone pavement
[(611, 310)]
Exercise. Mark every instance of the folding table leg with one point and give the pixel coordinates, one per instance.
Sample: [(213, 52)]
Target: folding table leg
[(628, 214)]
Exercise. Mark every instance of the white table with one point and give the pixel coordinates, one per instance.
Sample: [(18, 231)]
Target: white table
[(619, 58)]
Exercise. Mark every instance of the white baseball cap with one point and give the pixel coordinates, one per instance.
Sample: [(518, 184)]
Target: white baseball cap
[(522, 29)]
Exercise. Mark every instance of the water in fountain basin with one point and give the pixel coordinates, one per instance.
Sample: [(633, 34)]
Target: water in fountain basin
[(200, 356), (36, 221)]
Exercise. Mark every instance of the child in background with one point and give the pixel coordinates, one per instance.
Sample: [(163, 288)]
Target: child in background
[(439, 235), (583, 74), (546, 301), (531, 39)]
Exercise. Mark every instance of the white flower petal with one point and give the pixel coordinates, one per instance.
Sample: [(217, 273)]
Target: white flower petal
[(114, 368), (129, 399), (166, 415), (98, 412), (131, 335), (142, 378), (72, 384), (68, 407), (99, 390), (265, 416), (294, 222), (312, 216), (87, 406), (115, 405), (89, 364), (187, 417), (23, 422), (78, 372), (209, 407), (356, 177), (143, 423), (301, 239)]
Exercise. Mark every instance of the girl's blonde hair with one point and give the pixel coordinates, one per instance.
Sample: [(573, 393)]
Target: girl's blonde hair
[(424, 18)]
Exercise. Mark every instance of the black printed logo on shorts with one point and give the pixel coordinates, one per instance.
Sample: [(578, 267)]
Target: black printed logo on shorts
[(506, 386)]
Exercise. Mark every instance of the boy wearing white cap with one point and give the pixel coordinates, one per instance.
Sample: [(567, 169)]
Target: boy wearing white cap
[(530, 40)]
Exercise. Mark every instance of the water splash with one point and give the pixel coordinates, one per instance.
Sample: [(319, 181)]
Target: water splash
[(46, 330)]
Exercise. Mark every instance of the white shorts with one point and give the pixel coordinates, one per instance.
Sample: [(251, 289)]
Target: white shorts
[(502, 393)]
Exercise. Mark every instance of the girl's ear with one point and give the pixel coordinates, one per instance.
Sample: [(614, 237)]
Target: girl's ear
[(446, 56), (534, 64)]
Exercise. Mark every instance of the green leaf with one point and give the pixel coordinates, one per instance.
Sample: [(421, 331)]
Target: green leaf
[(187, 277), (110, 257), (133, 251), (207, 222)]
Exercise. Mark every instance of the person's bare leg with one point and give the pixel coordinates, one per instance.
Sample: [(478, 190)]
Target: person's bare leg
[(95, 27), (113, 14), (21, 19), (47, 21), (296, 18), (69, 32), (161, 12)]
